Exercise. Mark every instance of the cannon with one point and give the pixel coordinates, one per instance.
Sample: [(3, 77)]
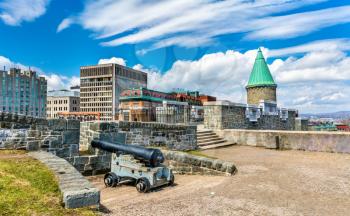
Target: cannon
[(136, 165)]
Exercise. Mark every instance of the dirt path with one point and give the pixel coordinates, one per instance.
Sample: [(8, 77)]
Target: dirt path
[(268, 182)]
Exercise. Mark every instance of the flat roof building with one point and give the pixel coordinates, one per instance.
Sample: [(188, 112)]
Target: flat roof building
[(62, 101), (23, 92), (101, 85)]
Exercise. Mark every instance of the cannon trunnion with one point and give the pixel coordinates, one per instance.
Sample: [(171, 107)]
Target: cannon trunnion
[(135, 164)]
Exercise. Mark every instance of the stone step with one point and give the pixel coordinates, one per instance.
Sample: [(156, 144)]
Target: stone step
[(208, 139), (211, 142), (220, 145), (206, 136), (204, 131)]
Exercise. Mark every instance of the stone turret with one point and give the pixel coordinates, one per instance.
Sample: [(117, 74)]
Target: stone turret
[(261, 85)]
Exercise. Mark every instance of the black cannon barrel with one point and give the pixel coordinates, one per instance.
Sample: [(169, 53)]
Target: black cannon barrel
[(153, 157)]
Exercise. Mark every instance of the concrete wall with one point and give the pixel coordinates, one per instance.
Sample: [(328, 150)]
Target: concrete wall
[(297, 140)]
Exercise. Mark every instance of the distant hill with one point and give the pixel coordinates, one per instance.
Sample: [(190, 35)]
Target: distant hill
[(334, 115)]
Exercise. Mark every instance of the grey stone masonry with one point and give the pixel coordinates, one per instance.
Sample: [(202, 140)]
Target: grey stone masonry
[(184, 163), (220, 115), (176, 137), (76, 191)]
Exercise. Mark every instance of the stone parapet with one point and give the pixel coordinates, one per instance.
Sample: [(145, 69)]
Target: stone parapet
[(184, 163), (76, 191), (338, 142), (227, 115)]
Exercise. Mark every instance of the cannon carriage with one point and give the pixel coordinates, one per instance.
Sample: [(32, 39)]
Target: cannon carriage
[(135, 165)]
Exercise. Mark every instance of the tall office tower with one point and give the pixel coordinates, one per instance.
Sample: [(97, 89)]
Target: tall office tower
[(62, 101), (101, 85), (23, 92)]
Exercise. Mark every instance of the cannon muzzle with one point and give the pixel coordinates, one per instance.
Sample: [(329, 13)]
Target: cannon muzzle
[(150, 156)]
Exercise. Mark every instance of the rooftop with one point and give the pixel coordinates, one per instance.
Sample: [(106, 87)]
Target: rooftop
[(261, 75)]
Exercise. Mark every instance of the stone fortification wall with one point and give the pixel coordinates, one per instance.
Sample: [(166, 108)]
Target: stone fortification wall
[(338, 142), (14, 121), (58, 136), (227, 115), (177, 137)]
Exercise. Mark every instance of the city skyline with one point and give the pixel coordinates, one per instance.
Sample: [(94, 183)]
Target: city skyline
[(306, 42)]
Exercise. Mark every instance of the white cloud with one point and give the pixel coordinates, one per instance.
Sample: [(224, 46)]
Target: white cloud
[(58, 82), (64, 24), (14, 12), (192, 23), (342, 44), (314, 82), (113, 60)]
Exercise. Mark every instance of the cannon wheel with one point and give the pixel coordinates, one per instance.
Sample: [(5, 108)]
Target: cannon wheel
[(111, 180), (172, 180), (143, 185)]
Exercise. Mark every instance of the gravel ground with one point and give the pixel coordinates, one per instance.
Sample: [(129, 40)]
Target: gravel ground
[(268, 182)]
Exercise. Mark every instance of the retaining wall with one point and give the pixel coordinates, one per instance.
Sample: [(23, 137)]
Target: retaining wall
[(297, 140)]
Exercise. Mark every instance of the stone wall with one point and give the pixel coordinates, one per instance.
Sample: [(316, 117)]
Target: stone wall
[(184, 163), (177, 137), (227, 115), (58, 136), (338, 142), (255, 94), (14, 121)]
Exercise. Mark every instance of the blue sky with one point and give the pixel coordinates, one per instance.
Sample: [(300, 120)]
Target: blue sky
[(204, 45)]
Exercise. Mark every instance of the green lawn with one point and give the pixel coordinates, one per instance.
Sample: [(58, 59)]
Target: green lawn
[(27, 187)]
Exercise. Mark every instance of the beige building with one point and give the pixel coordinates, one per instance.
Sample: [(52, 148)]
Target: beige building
[(101, 85), (62, 101)]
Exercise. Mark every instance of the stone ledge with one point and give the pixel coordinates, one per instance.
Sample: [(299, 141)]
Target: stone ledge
[(184, 163), (77, 191)]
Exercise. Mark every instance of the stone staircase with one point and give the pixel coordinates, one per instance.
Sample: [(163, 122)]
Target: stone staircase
[(207, 139)]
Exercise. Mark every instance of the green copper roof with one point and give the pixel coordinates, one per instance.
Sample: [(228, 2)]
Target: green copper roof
[(260, 75)]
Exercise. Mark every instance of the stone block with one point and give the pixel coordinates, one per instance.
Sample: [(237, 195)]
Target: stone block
[(63, 152), (32, 146), (82, 198), (81, 160), (71, 137), (73, 124), (57, 124), (74, 150)]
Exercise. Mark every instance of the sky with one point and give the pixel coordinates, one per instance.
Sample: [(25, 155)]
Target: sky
[(205, 45)]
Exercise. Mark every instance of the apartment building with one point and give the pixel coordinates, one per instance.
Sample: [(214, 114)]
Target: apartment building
[(62, 101), (101, 85), (23, 92)]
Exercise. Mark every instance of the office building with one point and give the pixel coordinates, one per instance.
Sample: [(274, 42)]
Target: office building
[(62, 101), (23, 92), (101, 85)]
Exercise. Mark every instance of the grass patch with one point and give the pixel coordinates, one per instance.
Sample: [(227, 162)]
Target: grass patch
[(199, 153), (27, 187), (11, 152)]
